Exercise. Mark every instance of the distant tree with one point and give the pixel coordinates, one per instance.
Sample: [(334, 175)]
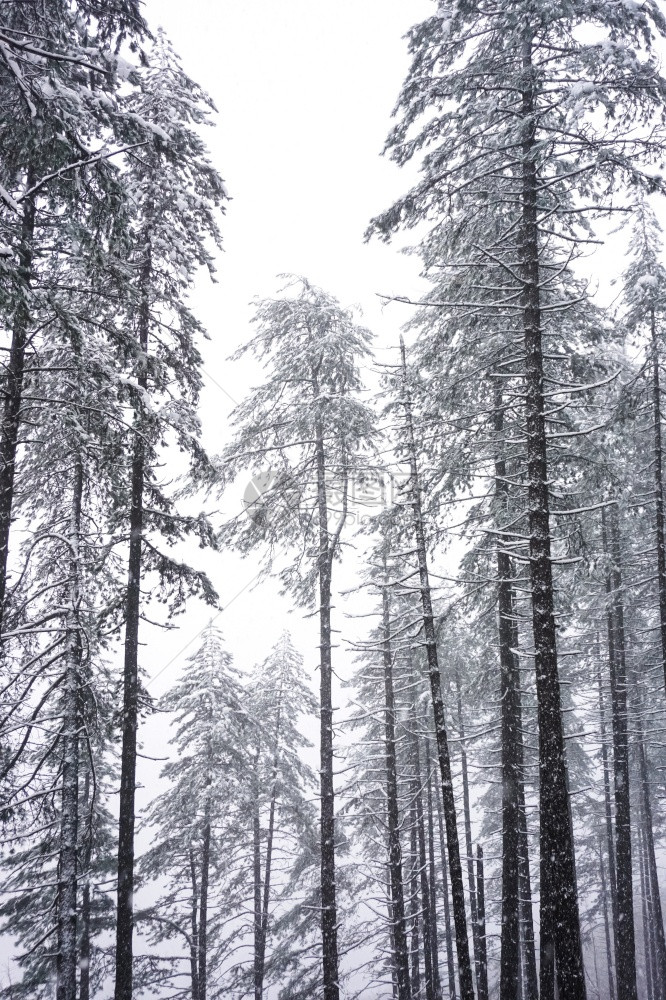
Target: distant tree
[(310, 424)]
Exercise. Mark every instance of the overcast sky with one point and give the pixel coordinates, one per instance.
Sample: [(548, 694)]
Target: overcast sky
[(304, 91)]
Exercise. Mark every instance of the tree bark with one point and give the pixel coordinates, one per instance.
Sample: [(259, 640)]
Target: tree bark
[(625, 951), (608, 814), (607, 929), (432, 878), (510, 722), (203, 904), (13, 388), (414, 907), (125, 907), (559, 896), (194, 929), (69, 824), (654, 895), (467, 816), (659, 487), (452, 840), (399, 929), (329, 910), (447, 907), (84, 944), (417, 795), (481, 918)]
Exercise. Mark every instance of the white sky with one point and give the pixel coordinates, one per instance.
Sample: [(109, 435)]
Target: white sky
[(305, 91)]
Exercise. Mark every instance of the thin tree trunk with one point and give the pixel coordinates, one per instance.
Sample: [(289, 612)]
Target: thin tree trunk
[(531, 979), (398, 926), (69, 824), (329, 911), (610, 847), (414, 907), (84, 943), (659, 488), (559, 896), (625, 950), (432, 879), (447, 907), (258, 885), (13, 388), (648, 950), (270, 836), (607, 929), (417, 794), (481, 918), (194, 930), (448, 800), (203, 904), (654, 895), (125, 908), (467, 816), (511, 777)]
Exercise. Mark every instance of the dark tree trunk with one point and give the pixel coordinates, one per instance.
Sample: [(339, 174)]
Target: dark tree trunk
[(414, 904), (69, 823), (447, 908), (608, 813), (125, 913), (398, 925), (481, 918), (511, 775), (432, 878), (13, 388), (448, 801), (648, 938), (203, 905), (265, 892), (625, 953), (559, 895), (467, 816), (84, 923), (659, 488), (329, 910), (417, 795), (607, 925), (194, 929), (258, 885), (654, 895)]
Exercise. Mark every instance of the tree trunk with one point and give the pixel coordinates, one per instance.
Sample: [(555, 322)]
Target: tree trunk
[(607, 929), (467, 816), (646, 916), (399, 929), (13, 388), (654, 895), (266, 888), (659, 488), (607, 798), (432, 879), (256, 872), (414, 907), (125, 909), (452, 840), (625, 954), (447, 908), (329, 911), (417, 795), (194, 930), (84, 944), (203, 904), (559, 896), (481, 918), (69, 824)]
